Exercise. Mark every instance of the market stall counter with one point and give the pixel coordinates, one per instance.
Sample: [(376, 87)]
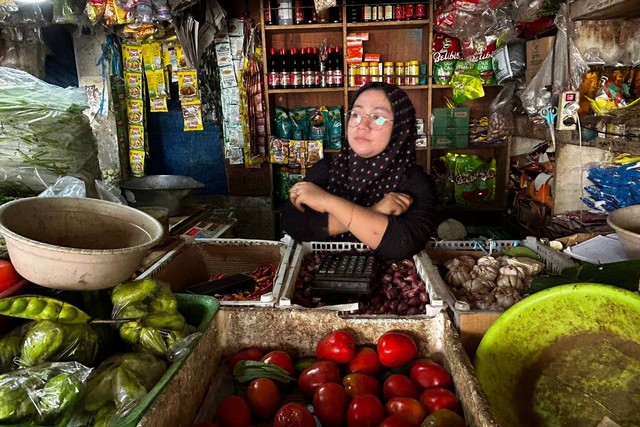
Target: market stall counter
[(297, 332)]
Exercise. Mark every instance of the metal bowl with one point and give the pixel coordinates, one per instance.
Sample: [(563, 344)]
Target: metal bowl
[(160, 190), (76, 244), (626, 223)]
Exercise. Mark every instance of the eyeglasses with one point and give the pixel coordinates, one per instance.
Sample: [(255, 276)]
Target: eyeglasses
[(376, 121)]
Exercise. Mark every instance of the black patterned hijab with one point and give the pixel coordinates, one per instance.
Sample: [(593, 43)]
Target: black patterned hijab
[(366, 181)]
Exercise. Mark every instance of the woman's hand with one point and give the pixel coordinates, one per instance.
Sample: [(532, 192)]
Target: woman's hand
[(309, 194), (393, 204)]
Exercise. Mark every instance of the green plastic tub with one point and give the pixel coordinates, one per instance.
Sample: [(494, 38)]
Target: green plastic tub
[(567, 356), (198, 310)]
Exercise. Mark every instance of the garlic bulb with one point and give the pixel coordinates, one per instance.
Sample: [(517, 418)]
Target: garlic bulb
[(477, 285), (468, 260), (484, 272), (489, 261), (510, 281), (506, 296), (512, 270), (457, 276)]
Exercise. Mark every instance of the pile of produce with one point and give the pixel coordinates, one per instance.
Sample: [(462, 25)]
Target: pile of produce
[(491, 283), (345, 383), (397, 288), (64, 367), (263, 277)]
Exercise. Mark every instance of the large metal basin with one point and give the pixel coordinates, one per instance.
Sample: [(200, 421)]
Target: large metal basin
[(160, 190)]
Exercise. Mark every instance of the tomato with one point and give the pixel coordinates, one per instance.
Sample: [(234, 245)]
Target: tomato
[(398, 385), (9, 277), (339, 346), (251, 353), (407, 407), (233, 411), (294, 414), (439, 398), (396, 349), (321, 372), (365, 410), (429, 374), (263, 396), (396, 421), (358, 383), (280, 358), (443, 418), (365, 361), (330, 403)]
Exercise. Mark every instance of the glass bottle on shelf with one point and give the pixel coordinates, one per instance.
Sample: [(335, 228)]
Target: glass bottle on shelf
[(268, 15), (273, 69), (285, 77), (315, 67), (296, 74)]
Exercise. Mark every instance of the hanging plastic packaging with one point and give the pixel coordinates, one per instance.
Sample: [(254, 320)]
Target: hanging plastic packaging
[(562, 70), (509, 61), (501, 121), (466, 87)]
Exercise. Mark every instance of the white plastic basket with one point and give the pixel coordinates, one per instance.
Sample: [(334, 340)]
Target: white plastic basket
[(231, 256), (436, 303), (554, 262)]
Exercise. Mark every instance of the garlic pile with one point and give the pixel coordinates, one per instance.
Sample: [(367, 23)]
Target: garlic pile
[(490, 283)]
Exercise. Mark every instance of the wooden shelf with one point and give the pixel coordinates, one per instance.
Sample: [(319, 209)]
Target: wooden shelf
[(308, 90), (376, 25), (599, 9), (303, 28), (404, 87)]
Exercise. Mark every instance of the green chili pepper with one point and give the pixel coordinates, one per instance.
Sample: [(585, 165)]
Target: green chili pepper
[(37, 307)]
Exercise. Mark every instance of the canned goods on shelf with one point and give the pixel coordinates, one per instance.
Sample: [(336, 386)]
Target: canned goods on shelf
[(364, 74), (374, 71), (354, 74), (388, 72), (420, 11), (409, 10), (412, 70), (398, 12), (400, 72)]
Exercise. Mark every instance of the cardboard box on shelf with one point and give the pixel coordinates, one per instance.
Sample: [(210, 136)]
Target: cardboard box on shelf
[(537, 52), (298, 331)]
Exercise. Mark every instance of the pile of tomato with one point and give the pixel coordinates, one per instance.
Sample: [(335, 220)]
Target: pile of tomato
[(344, 384)]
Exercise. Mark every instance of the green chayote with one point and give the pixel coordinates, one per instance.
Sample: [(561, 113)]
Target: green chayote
[(134, 291), (126, 388), (104, 415), (152, 341), (59, 393), (42, 340), (164, 301), (9, 350), (170, 321)]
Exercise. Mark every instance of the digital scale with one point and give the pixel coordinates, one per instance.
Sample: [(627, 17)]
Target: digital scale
[(352, 273)]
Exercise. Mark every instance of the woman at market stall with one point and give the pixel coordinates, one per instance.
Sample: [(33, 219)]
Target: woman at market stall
[(372, 191)]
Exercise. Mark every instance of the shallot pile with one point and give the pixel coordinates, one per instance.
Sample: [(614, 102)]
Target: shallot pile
[(397, 289), (489, 283)]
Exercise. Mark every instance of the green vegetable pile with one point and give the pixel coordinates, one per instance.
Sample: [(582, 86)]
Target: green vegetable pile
[(50, 370), (43, 134)]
